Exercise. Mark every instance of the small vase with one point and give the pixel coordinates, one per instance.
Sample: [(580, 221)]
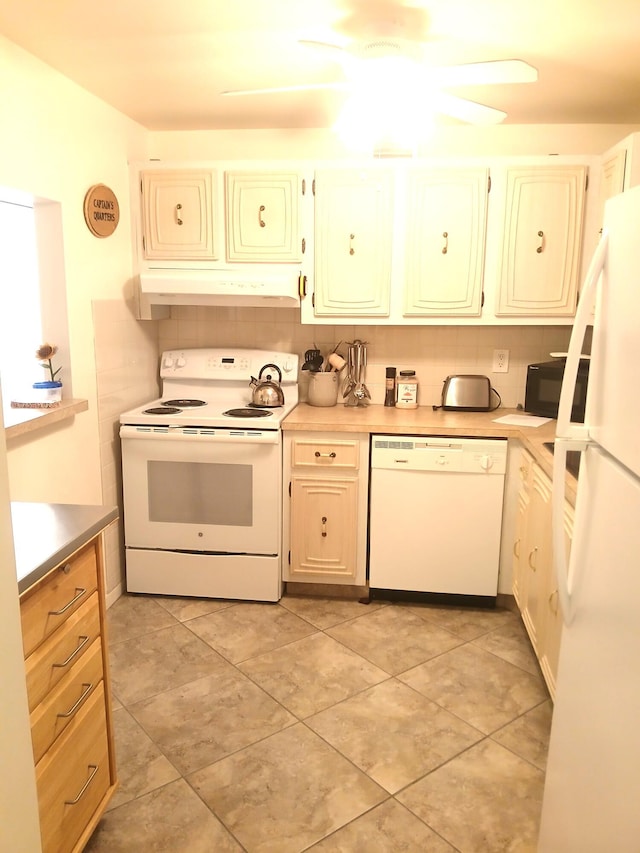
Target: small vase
[(47, 392)]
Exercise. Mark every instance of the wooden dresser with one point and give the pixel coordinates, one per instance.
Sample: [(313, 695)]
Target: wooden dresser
[(67, 674)]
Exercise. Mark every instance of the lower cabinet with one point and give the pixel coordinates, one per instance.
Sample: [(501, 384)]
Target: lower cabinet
[(325, 510), (534, 584), (63, 619)]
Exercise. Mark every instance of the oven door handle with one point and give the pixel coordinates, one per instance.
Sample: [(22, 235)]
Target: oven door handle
[(201, 434)]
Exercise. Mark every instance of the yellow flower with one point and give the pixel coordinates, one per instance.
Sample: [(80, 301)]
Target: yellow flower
[(46, 351), (44, 354)]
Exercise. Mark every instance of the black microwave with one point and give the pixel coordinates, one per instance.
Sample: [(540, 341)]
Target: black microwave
[(544, 381)]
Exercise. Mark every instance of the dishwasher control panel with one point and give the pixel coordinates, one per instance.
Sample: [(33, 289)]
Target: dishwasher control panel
[(439, 453)]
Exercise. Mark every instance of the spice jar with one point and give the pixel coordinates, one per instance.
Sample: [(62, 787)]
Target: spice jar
[(407, 390)]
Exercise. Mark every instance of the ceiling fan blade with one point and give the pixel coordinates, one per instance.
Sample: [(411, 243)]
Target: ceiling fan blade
[(464, 110), (303, 87), (484, 73)]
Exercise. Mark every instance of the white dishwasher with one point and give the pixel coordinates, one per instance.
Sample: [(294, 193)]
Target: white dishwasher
[(435, 517)]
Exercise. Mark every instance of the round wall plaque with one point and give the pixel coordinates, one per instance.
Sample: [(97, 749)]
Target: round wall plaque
[(101, 210)]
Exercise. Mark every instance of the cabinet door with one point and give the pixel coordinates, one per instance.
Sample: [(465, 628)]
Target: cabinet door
[(177, 215), (552, 630), (612, 181), (519, 560), (446, 230), (537, 554), (262, 216), (323, 528), (353, 239), (540, 260)]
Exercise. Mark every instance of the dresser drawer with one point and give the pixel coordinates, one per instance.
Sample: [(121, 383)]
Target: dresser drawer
[(73, 777), (51, 661), (325, 454), (61, 706), (57, 597)]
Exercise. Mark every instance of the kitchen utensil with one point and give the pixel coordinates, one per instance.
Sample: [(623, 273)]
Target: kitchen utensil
[(336, 361), (267, 393), (356, 392), (312, 360)]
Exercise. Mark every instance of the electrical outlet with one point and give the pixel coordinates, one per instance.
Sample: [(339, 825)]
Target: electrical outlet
[(501, 361)]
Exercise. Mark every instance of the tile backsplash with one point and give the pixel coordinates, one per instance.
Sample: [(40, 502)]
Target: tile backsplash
[(432, 351)]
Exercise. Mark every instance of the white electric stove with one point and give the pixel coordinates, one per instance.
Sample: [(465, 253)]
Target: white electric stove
[(202, 477)]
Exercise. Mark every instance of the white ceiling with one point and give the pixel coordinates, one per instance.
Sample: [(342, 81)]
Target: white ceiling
[(164, 63)]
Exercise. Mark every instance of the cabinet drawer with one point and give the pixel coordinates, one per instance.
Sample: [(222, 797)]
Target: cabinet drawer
[(49, 663), (59, 595), (326, 454), (61, 706), (73, 777)]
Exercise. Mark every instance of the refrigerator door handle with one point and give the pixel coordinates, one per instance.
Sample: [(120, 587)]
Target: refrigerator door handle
[(564, 571), (564, 427)]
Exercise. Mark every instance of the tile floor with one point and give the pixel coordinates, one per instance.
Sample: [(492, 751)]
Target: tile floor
[(323, 725)]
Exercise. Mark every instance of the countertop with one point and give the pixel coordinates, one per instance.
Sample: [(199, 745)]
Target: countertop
[(45, 534), (425, 421)]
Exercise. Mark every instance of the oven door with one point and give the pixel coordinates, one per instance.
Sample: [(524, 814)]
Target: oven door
[(202, 490)]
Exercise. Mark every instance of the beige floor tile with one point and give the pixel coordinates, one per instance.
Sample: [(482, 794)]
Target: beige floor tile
[(486, 800), (465, 622), (158, 661), (325, 612), (478, 687), (528, 736), (286, 792), (393, 733), (172, 819), (389, 828), (133, 616), (394, 638), (190, 608), (141, 766), (511, 643), (312, 674), (200, 722), (243, 631)]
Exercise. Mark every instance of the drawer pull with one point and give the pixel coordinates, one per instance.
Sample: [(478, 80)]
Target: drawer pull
[(516, 549), (532, 554), (79, 593), (75, 652), (331, 455), (324, 525), (94, 770), (87, 689)]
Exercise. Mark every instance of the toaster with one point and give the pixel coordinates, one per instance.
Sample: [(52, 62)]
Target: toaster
[(467, 392)]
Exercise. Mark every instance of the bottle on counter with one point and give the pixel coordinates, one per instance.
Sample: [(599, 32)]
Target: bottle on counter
[(407, 395), (390, 387)]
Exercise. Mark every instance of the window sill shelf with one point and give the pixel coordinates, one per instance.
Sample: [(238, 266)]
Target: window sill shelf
[(19, 422)]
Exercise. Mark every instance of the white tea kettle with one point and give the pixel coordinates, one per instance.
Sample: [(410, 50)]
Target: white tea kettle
[(267, 394)]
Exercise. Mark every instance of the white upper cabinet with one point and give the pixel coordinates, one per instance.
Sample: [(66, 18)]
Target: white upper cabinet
[(178, 214), (262, 212), (541, 241), (353, 241), (446, 222)]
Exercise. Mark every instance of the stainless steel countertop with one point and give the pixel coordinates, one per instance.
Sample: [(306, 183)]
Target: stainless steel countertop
[(45, 534)]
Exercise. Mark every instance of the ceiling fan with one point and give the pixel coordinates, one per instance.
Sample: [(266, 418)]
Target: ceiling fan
[(384, 59)]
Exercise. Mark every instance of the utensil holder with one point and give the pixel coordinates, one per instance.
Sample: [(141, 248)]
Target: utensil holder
[(323, 389)]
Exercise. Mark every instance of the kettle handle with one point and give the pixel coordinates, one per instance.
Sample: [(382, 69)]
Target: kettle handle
[(275, 366)]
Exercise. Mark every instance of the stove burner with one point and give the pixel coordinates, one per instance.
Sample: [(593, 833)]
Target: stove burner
[(247, 413), (162, 410), (184, 404)]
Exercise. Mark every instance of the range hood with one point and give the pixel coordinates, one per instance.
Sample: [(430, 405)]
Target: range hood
[(250, 288)]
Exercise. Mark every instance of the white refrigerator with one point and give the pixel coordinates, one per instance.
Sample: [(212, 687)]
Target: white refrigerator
[(592, 792)]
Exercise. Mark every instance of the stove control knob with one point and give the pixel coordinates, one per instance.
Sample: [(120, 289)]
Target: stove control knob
[(168, 361), (180, 361)]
